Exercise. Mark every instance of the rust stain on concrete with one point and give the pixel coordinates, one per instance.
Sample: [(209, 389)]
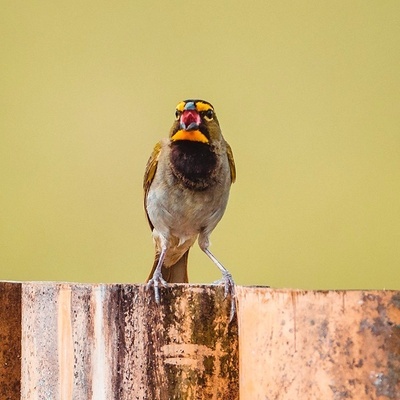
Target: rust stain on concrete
[(10, 340)]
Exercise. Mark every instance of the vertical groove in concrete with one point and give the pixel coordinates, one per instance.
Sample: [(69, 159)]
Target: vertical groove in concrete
[(65, 343), (82, 339)]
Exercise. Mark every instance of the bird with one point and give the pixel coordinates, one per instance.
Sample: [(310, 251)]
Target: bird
[(186, 186)]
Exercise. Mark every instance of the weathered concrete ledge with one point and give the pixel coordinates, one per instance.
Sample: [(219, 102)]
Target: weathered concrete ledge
[(316, 345), (77, 341)]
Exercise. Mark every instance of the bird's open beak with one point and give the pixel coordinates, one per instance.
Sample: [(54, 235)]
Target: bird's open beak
[(190, 120)]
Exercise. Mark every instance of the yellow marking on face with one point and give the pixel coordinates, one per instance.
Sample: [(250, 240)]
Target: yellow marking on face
[(200, 106), (194, 136), (181, 106)]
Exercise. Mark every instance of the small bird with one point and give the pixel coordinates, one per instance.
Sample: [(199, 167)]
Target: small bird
[(186, 189)]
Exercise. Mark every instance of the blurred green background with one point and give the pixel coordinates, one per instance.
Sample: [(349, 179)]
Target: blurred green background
[(307, 94)]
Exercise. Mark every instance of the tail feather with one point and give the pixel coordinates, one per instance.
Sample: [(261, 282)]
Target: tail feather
[(176, 273)]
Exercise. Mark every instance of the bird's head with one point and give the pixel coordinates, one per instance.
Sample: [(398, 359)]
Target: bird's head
[(195, 120)]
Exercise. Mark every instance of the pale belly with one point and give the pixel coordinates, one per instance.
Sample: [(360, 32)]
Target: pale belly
[(179, 215), (184, 213)]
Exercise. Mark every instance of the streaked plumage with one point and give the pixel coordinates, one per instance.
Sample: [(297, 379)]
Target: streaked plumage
[(186, 190)]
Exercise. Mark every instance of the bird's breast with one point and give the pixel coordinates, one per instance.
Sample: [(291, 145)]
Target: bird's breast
[(189, 192), (194, 164)]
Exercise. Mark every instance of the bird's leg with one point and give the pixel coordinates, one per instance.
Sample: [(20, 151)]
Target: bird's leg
[(157, 278), (226, 279), (226, 276)]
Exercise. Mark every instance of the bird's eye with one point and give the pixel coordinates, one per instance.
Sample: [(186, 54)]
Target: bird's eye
[(209, 115), (177, 114)]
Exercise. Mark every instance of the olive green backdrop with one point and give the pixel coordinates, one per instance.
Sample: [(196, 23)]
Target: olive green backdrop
[(308, 96)]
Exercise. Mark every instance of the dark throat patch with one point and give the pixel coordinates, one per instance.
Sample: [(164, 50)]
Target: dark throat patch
[(193, 164)]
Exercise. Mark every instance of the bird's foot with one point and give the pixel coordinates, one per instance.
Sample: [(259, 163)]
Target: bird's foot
[(229, 286), (156, 281), (228, 283)]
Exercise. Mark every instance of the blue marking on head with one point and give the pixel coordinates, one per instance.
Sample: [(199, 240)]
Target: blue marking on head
[(190, 105)]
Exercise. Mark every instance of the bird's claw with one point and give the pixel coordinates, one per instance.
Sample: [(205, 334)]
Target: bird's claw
[(229, 289), (156, 281), (228, 283)]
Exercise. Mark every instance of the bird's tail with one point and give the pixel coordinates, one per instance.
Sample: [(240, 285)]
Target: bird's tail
[(176, 273)]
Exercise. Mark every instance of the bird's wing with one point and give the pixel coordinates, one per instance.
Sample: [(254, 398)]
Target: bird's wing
[(151, 168), (231, 162)]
